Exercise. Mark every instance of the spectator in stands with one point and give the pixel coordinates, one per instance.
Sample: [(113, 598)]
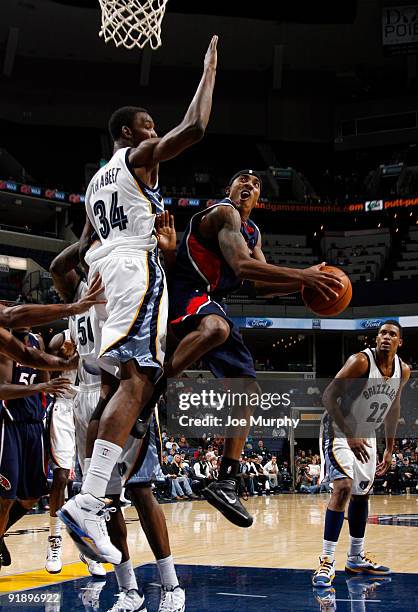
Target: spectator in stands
[(314, 469), (392, 482), (198, 452), (262, 479), (262, 450), (218, 444), (214, 469), (301, 459), (202, 471), (185, 462), (243, 478), (303, 479), (252, 476), (271, 470), (169, 443), (408, 475), (165, 468), (183, 444), (180, 479)]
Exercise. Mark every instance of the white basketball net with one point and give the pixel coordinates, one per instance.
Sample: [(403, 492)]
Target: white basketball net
[(132, 23)]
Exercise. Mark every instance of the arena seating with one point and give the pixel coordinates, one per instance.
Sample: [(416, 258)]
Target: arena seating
[(362, 254), (407, 266)]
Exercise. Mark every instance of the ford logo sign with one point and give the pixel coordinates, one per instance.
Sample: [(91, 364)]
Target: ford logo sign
[(260, 323), (371, 323)]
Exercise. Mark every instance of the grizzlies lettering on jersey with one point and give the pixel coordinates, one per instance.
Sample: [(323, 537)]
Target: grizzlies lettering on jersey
[(120, 206), (31, 408), (200, 262), (81, 332), (367, 407)]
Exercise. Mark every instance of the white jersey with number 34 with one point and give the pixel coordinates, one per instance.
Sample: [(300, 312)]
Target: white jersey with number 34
[(121, 207)]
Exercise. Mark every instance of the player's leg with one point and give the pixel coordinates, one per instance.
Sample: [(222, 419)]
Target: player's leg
[(5, 508), (109, 386), (141, 470), (155, 528), (85, 514), (63, 449), (10, 461), (85, 404), (211, 331), (53, 563), (334, 519), (358, 511), (339, 462), (219, 343), (16, 512), (232, 360), (129, 597)]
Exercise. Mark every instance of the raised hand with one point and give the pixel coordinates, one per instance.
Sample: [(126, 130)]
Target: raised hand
[(90, 298), (211, 57), (166, 231)]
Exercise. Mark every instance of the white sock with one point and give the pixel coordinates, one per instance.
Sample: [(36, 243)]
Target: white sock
[(86, 466), (125, 576), (103, 460), (54, 526), (328, 549), (356, 546), (167, 572)]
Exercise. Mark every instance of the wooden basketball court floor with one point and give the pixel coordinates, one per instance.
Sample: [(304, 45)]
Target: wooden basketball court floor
[(225, 568)]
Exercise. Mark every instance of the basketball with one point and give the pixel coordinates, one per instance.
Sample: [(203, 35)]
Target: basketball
[(316, 302)]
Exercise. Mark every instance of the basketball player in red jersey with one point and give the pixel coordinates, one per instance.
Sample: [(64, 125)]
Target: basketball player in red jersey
[(221, 248)]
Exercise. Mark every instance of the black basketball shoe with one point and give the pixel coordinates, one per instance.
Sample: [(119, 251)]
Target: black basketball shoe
[(223, 495), (5, 558)]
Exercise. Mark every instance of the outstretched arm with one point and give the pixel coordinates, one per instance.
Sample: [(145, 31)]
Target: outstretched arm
[(226, 223), (8, 390), (154, 150), (273, 289), (28, 315), (27, 355), (85, 241), (63, 272)]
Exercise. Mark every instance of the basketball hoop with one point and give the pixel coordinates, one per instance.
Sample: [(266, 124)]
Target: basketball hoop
[(132, 23)]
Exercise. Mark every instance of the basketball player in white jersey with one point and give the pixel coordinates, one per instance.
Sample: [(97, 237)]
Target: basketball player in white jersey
[(62, 450), (71, 434), (139, 462), (121, 203), (365, 394)]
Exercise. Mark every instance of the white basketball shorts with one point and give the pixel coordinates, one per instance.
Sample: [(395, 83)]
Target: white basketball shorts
[(133, 322), (339, 461), (62, 434)]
